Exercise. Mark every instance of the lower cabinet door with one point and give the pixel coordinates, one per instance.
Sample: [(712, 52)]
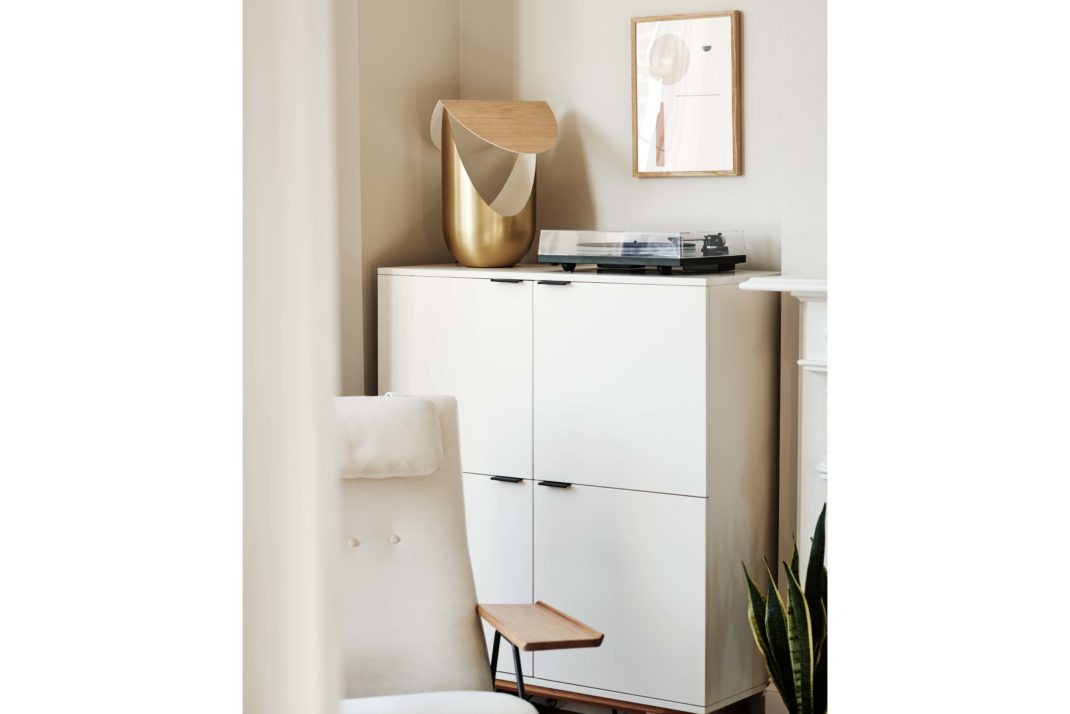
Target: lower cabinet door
[(498, 516), (631, 564)]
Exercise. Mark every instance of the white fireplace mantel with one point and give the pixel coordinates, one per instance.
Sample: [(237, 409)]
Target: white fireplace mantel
[(802, 288)]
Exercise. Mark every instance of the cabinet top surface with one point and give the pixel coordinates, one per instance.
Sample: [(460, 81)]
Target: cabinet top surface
[(587, 274)]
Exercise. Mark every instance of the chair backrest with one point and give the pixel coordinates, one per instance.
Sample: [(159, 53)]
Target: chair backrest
[(408, 596)]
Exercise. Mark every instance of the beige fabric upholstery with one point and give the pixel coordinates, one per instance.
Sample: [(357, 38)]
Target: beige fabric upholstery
[(440, 703), (386, 438), (408, 597)]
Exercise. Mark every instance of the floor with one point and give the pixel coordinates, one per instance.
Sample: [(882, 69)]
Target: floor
[(752, 705)]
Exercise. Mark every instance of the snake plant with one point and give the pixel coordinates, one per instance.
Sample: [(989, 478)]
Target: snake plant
[(792, 634)]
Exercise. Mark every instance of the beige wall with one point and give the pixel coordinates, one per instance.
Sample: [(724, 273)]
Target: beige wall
[(347, 174), (409, 56)]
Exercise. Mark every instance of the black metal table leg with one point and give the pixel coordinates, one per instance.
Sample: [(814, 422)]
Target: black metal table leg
[(519, 672), (494, 657)]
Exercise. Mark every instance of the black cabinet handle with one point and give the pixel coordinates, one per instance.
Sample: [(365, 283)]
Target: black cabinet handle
[(555, 282), (555, 484), (507, 479), (506, 280)]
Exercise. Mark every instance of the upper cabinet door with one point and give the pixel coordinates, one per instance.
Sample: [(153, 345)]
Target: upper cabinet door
[(620, 379), (471, 338)]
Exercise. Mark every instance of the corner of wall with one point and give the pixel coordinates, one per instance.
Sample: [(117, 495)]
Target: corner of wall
[(400, 186)]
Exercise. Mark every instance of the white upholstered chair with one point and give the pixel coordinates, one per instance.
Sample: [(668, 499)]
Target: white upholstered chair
[(411, 638)]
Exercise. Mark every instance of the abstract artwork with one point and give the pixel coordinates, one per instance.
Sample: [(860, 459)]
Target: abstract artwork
[(686, 95)]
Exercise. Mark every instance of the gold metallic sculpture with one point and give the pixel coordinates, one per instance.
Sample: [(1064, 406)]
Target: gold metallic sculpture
[(498, 234)]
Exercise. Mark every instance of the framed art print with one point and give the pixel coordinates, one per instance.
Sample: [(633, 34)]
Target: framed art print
[(686, 95)]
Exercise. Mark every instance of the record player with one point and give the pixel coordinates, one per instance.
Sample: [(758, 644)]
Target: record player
[(629, 251)]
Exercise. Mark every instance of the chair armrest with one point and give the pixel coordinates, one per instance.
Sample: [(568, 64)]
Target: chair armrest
[(539, 627)]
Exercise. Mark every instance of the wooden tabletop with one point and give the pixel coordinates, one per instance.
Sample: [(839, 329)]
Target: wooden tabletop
[(519, 127), (539, 627)]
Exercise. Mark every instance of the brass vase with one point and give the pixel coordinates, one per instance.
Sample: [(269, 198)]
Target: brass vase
[(497, 234)]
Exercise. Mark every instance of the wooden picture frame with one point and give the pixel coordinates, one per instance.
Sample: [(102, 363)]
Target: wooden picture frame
[(682, 122)]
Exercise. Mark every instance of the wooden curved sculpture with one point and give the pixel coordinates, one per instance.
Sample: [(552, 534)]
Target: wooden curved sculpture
[(496, 234)]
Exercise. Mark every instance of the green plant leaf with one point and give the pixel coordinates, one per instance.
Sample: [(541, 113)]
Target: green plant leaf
[(821, 680), (816, 578), (820, 643), (756, 614), (795, 557), (776, 631), (800, 645), (756, 604)]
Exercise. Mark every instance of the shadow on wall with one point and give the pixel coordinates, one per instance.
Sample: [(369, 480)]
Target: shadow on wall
[(420, 189), (430, 172), (402, 206), (564, 186)]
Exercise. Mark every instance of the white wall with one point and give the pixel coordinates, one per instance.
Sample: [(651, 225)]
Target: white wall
[(804, 208), (576, 55)]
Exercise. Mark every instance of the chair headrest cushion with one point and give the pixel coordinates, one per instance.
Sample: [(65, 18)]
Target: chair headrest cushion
[(387, 437)]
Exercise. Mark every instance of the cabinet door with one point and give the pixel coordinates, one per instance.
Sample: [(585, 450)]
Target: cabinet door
[(469, 337), (620, 379), (498, 514), (633, 566)]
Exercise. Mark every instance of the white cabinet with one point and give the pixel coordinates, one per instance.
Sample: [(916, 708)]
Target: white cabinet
[(470, 339), (620, 374), (650, 401), (635, 564), (498, 513)]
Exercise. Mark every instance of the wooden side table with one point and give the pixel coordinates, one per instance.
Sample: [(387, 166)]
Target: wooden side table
[(531, 628)]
